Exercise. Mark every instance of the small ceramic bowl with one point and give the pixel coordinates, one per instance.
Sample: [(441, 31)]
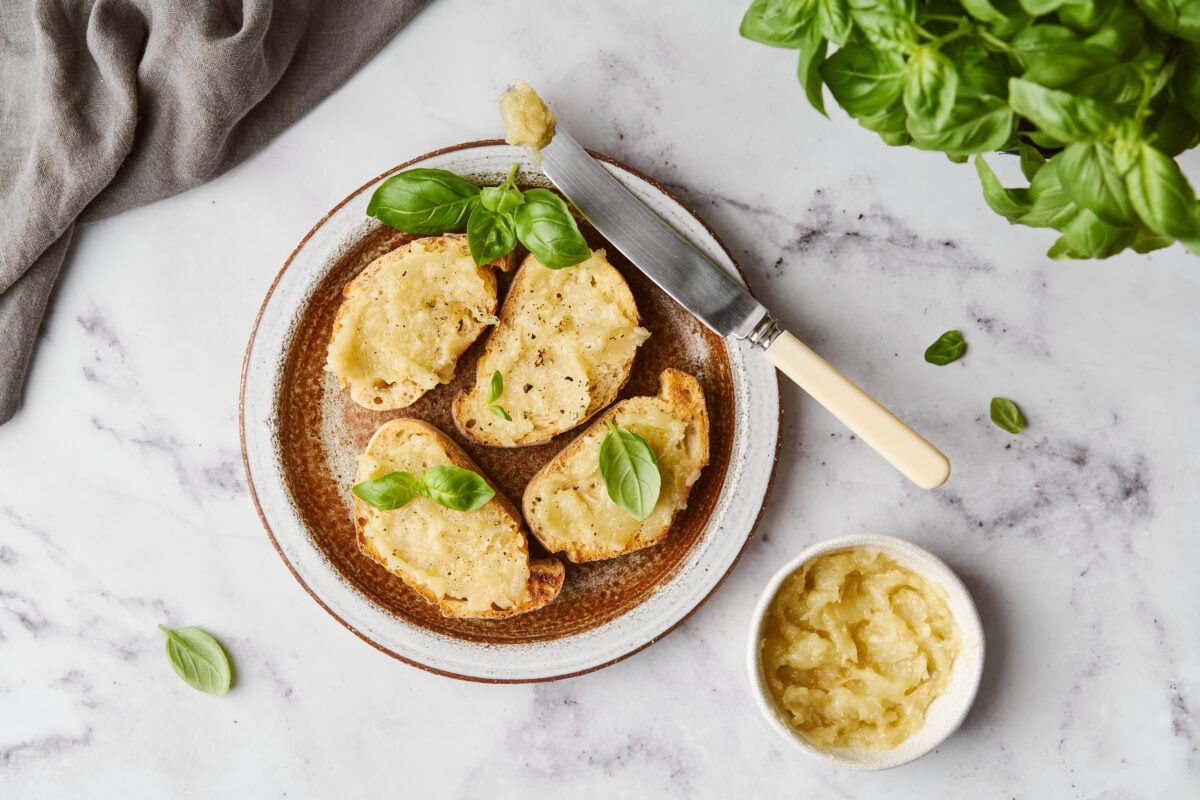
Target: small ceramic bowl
[(944, 715)]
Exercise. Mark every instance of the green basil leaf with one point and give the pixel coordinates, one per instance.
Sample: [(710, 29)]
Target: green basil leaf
[(863, 80), (949, 347), (500, 199), (490, 235), (1012, 204), (812, 55), (895, 139), (888, 24), (1187, 81), (1089, 175), (835, 20), (1031, 160), (930, 84), (630, 471), (778, 23), (199, 659), (1172, 129), (1007, 416), (545, 226), (974, 126), (1037, 8), (496, 387), (390, 491), (1162, 196), (1091, 237), (424, 201), (1052, 206), (1147, 241), (1178, 17), (499, 411), (456, 488), (1061, 250), (1065, 117), (984, 11), (981, 73)]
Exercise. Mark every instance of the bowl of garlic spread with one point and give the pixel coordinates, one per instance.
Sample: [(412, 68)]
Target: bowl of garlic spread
[(866, 651)]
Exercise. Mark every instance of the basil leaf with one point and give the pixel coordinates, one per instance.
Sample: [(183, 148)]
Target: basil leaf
[(1187, 82), (500, 199), (835, 21), (1089, 175), (389, 492), (888, 24), (1173, 130), (1012, 204), (456, 488), (863, 80), (778, 23), (974, 126), (930, 84), (630, 472), (1031, 160), (1178, 17), (1147, 241), (1007, 416), (499, 411), (949, 347), (1052, 205), (1091, 237), (490, 235), (1065, 117), (1036, 8), (984, 11), (812, 55), (199, 659), (424, 201), (496, 387), (545, 226), (1163, 198)]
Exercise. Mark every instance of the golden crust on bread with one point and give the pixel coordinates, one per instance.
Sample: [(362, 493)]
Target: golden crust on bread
[(468, 563), (566, 503)]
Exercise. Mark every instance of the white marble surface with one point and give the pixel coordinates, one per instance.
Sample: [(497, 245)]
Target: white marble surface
[(123, 503)]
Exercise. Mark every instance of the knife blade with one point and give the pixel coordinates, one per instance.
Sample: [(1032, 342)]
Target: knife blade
[(701, 286)]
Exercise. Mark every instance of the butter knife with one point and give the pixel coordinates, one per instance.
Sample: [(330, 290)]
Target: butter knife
[(716, 299)]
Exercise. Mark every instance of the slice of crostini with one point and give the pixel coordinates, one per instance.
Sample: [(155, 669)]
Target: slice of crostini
[(564, 347), (566, 503), (468, 563), (406, 319)]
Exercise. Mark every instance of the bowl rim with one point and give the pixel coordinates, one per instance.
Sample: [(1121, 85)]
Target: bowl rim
[(931, 567)]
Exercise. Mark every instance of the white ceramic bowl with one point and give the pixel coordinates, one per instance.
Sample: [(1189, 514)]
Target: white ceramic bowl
[(944, 715)]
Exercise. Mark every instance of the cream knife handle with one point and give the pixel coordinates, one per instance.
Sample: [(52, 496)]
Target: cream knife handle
[(904, 448)]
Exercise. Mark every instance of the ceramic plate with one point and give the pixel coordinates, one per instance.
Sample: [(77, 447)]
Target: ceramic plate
[(301, 436)]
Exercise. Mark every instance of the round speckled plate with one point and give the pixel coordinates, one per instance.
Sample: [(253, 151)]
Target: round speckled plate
[(301, 436)]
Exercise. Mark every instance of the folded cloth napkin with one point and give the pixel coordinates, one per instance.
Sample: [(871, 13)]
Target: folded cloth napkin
[(110, 104)]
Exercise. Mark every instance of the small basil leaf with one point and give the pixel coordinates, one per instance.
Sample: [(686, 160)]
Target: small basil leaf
[(1147, 241), (949, 347), (930, 84), (390, 491), (1007, 416), (1179, 17), (1031, 160), (496, 387), (863, 80), (1091, 237), (199, 659), (888, 24), (778, 23), (424, 201), (975, 126), (1012, 204), (1064, 116), (1089, 175), (630, 472), (984, 11), (500, 412), (1052, 206), (835, 21), (500, 199), (490, 235), (1036, 8), (545, 226), (812, 54), (1162, 196), (456, 488)]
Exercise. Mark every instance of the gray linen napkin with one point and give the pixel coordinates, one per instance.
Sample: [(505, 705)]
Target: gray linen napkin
[(110, 104)]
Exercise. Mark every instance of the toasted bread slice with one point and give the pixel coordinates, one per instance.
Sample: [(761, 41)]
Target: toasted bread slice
[(407, 318), (564, 346), (468, 563), (566, 503)]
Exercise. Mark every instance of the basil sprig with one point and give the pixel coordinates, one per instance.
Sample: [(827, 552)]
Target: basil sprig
[(1007, 416), (949, 347), (630, 471), (495, 389), (447, 485), (432, 201), (199, 659), (1097, 97)]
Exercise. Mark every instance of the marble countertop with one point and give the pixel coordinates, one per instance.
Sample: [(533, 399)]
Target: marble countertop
[(123, 502)]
